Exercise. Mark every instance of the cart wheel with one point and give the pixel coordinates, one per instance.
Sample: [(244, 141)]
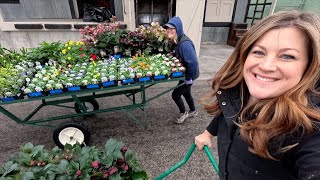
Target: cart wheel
[(71, 133), (89, 104)]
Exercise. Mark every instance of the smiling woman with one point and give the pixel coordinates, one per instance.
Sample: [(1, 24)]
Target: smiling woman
[(276, 63), (266, 102)]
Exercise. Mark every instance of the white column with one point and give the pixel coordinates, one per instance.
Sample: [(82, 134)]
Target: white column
[(129, 14), (1, 18)]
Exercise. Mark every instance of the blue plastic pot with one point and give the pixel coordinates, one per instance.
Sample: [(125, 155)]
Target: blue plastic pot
[(93, 86), (9, 99), (35, 94), (177, 74), (73, 89), (144, 79), (128, 81), (108, 83), (56, 91), (159, 77)]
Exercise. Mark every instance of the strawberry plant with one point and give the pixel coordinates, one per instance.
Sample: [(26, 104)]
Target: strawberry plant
[(114, 162)]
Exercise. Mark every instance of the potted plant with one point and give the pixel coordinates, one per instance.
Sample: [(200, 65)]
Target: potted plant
[(113, 161)]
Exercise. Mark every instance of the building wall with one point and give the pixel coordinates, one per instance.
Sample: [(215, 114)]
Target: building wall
[(36, 9), (214, 34), (303, 5)]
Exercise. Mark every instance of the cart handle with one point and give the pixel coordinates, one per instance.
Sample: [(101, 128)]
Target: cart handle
[(186, 158)]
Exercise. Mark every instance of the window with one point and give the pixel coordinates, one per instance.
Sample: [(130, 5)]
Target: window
[(10, 1)]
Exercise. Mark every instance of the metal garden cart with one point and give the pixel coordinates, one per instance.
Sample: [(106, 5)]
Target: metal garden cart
[(85, 104)]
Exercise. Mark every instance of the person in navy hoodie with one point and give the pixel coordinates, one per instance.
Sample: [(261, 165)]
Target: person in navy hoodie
[(186, 53)]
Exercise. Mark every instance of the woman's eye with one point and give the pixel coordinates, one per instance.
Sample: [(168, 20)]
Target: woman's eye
[(287, 57), (260, 53)]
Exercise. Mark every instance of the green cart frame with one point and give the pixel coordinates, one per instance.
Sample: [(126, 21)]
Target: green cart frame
[(86, 105)]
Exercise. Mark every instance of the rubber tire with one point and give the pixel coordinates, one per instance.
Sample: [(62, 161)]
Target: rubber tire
[(93, 102), (85, 131)]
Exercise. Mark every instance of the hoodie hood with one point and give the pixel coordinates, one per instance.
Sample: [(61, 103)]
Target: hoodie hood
[(177, 23)]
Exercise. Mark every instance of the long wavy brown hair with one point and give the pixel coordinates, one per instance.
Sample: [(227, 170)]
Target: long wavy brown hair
[(278, 117)]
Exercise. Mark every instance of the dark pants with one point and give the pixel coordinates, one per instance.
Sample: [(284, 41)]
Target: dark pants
[(184, 90)]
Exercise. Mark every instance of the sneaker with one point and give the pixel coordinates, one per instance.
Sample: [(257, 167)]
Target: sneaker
[(182, 118), (193, 113)]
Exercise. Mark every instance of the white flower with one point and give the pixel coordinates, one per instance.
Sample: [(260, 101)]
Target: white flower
[(84, 82), (40, 76), (43, 71), (49, 86), (59, 86), (69, 84), (38, 89), (112, 77), (27, 91), (8, 94), (122, 77), (38, 63), (84, 64), (51, 81), (77, 78), (157, 73), (28, 79), (132, 75), (35, 80), (104, 79), (94, 81), (72, 75)]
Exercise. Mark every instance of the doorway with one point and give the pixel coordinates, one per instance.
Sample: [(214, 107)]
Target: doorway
[(148, 11)]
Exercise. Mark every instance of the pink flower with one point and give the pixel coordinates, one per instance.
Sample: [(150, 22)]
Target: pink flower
[(113, 170), (78, 173), (95, 164)]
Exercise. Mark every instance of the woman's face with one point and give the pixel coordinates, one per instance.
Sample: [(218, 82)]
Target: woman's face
[(276, 63), (171, 33)]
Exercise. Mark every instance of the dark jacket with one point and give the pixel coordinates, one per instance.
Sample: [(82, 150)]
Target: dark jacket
[(237, 163), (185, 50)]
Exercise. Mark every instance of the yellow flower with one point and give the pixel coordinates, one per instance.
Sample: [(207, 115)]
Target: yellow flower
[(71, 42), (82, 43), (69, 58), (56, 73), (66, 45), (69, 48), (77, 43), (48, 77), (64, 51)]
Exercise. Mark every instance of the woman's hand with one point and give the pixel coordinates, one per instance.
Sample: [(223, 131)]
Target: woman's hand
[(203, 139)]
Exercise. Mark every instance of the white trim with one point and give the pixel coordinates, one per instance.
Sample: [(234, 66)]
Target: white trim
[(1, 18), (273, 6), (76, 9)]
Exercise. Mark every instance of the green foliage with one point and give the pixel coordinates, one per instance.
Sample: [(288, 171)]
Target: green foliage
[(10, 57), (114, 162), (45, 52)]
